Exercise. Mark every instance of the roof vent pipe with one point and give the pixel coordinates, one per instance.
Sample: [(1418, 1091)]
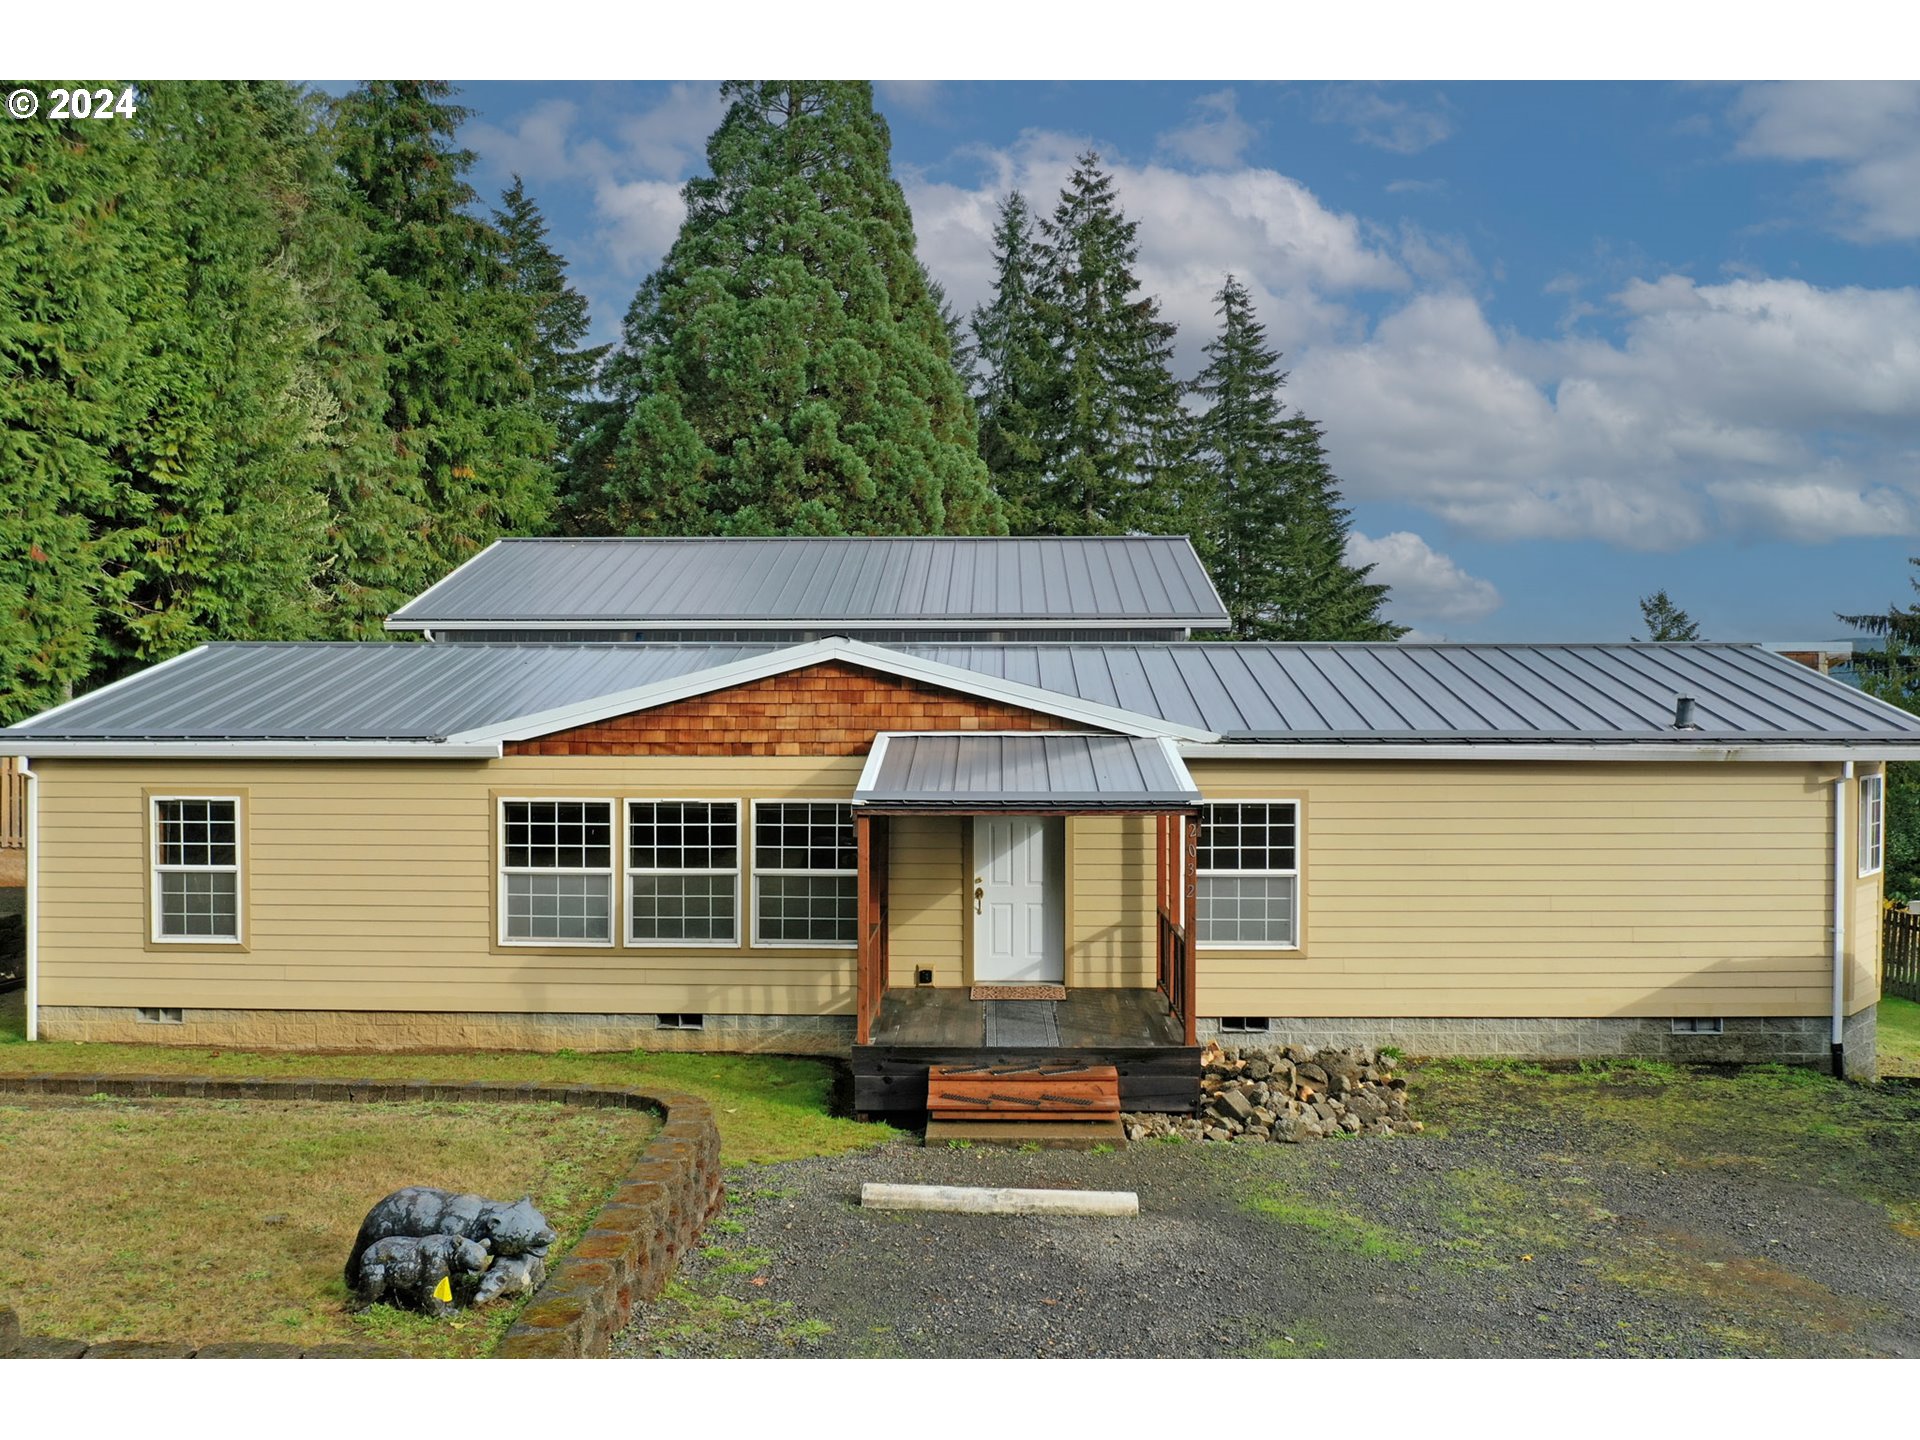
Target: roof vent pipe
[(1683, 713)]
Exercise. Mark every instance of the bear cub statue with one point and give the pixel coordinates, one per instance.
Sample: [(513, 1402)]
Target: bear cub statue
[(418, 1272), (511, 1239)]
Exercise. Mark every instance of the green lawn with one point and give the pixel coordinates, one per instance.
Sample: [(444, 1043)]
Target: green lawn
[(206, 1221), (768, 1107), (1898, 1044)]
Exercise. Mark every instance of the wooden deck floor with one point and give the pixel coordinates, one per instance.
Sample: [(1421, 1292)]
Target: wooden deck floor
[(1086, 1019), (1128, 1029)]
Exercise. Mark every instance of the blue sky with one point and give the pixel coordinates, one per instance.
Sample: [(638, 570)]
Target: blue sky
[(1570, 341)]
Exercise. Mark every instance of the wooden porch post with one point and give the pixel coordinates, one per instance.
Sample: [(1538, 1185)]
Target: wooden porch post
[(1190, 900), (867, 959)]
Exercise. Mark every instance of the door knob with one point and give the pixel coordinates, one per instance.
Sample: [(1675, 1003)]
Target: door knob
[(979, 899)]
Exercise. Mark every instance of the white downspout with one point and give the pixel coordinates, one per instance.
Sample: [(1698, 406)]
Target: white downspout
[(33, 897), (1835, 1040)]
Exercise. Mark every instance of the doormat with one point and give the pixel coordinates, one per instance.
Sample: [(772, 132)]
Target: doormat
[(1017, 992)]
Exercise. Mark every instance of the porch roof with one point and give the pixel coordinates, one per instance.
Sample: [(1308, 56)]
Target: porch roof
[(1058, 772)]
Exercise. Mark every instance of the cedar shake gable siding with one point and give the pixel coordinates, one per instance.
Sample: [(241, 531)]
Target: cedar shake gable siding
[(830, 709)]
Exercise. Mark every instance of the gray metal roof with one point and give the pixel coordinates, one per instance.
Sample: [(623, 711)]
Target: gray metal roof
[(994, 582), (1282, 693), (369, 690), (1010, 772), (1450, 693)]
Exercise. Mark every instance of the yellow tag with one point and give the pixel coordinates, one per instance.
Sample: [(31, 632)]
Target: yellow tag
[(444, 1290)]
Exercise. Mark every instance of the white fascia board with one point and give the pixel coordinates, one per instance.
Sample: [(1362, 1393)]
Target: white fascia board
[(392, 622), (1171, 748), (248, 749), (816, 652), (92, 695), (1563, 754), (870, 771)]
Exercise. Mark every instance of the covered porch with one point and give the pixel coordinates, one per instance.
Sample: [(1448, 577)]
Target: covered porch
[(1025, 1000)]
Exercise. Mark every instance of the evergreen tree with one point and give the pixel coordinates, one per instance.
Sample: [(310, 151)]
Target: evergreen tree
[(786, 368), (215, 520), (562, 368), (1264, 511), (1112, 431), (461, 342), (75, 198), (1322, 596), (1011, 346), (1665, 620)]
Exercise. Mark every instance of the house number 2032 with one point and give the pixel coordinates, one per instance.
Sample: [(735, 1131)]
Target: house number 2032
[(101, 104)]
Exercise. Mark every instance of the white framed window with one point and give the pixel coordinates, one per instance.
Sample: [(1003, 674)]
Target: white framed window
[(683, 872), (556, 872), (196, 869), (1249, 880), (805, 881), (1873, 824)]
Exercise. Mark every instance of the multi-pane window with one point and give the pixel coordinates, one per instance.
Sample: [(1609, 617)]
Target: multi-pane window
[(556, 871), (804, 881), (1250, 874), (683, 872), (196, 865), (1873, 824)]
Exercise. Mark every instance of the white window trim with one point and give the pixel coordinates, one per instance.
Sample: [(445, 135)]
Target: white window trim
[(754, 941), (628, 871), (501, 869), (156, 870), (1873, 824), (1299, 848)]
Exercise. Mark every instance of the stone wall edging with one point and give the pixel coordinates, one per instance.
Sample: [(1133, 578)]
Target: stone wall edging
[(625, 1258)]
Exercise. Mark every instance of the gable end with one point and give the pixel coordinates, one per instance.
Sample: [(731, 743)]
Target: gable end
[(828, 709)]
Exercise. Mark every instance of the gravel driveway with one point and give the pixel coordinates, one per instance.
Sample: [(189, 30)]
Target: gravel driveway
[(1553, 1215)]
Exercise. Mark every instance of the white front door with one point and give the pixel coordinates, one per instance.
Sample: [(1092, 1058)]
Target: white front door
[(1019, 868)]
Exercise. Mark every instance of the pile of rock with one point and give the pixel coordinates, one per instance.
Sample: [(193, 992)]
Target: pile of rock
[(1291, 1094)]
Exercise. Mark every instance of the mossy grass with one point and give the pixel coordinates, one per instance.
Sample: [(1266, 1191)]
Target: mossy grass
[(209, 1221), (1898, 1040), (1336, 1228), (768, 1107)]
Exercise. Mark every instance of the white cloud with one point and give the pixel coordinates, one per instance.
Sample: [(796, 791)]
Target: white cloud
[(1771, 408), (638, 221), (1416, 187), (1215, 137), (1869, 131), (1399, 125), (1425, 585)]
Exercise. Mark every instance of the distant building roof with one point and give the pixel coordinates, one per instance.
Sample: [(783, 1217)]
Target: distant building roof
[(1279, 693), (783, 582)]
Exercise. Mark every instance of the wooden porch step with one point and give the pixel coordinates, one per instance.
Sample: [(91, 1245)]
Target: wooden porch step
[(1000, 1092), (1049, 1133)]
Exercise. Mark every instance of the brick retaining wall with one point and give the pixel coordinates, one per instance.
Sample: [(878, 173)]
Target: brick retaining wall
[(625, 1258)]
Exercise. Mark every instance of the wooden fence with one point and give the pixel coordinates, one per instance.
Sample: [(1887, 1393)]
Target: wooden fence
[(13, 804), (1900, 955)]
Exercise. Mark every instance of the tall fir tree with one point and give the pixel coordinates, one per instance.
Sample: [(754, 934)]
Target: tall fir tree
[(1665, 620), (76, 202), (1015, 375), (786, 368), (461, 343), (1264, 508), (1112, 431), (562, 368), (216, 521)]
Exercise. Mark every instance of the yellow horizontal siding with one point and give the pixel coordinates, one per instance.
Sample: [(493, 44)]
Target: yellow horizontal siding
[(1430, 888), (1493, 889)]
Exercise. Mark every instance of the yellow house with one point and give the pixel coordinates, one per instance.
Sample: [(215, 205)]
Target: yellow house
[(949, 801)]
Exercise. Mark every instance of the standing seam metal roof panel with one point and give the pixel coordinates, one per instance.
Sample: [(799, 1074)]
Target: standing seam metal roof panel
[(1009, 771), (1278, 692), (786, 581)]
